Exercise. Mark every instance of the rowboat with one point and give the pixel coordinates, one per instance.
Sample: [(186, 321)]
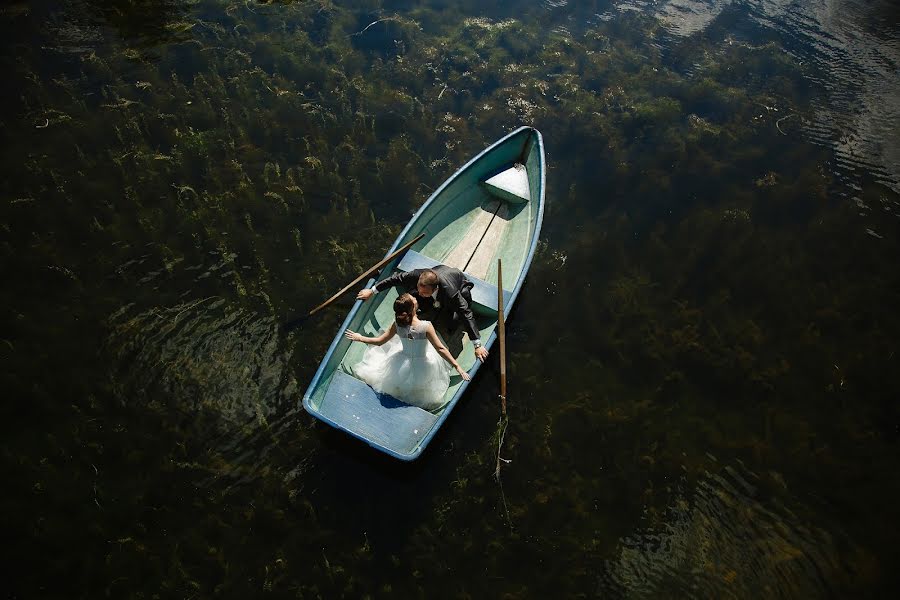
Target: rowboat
[(490, 209)]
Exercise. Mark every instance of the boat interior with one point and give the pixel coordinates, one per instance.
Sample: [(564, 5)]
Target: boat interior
[(488, 210), (489, 219)]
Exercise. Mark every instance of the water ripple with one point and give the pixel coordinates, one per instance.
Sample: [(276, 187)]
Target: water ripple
[(212, 368), (726, 539), (850, 48), (858, 60), (686, 17)]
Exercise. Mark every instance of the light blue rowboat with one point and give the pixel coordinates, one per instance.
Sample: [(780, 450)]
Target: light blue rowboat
[(489, 209)]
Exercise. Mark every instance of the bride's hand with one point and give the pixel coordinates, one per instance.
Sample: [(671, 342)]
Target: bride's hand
[(463, 374), (352, 336)]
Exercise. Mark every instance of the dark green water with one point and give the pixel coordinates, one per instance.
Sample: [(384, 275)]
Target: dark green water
[(703, 361)]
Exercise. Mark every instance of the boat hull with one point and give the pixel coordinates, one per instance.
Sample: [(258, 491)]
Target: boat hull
[(469, 225)]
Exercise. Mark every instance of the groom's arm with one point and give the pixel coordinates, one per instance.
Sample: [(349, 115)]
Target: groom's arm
[(456, 280), (407, 280), (462, 308)]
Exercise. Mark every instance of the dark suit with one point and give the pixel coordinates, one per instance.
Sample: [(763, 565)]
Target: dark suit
[(454, 295)]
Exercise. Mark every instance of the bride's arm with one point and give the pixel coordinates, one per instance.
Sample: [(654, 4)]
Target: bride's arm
[(376, 341), (433, 338)]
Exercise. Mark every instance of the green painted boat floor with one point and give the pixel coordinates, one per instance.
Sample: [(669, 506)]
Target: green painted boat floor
[(446, 229)]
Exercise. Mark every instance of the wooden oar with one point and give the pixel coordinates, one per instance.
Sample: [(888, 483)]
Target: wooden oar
[(291, 324), (501, 334), (504, 418)]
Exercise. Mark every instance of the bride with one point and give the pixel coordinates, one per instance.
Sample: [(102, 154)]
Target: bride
[(405, 361)]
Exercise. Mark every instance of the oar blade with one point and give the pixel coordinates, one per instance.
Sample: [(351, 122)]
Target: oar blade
[(294, 323)]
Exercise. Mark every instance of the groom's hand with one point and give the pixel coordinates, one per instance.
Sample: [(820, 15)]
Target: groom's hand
[(481, 353), (364, 294)]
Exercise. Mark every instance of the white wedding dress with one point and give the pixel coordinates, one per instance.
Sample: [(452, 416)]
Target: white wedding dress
[(407, 367)]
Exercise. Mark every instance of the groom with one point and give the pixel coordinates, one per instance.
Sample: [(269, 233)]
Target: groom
[(445, 297)]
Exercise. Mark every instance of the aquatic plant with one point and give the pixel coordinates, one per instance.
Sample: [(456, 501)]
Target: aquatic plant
[(179, 177)]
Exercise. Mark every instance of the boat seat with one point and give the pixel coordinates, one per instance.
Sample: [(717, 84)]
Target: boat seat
[(378, 419), (484, 294), (511, 184)]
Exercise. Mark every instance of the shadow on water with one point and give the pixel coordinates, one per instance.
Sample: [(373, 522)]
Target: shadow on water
[(219, 380), (79, 27), (147, 23)]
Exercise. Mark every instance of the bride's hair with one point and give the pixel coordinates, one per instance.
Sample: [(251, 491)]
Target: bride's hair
[(403, 310)]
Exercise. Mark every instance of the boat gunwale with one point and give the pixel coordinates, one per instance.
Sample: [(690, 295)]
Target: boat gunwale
[(523, 271)]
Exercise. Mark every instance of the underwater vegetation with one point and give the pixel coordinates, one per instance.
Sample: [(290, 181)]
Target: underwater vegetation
[(702, 389)]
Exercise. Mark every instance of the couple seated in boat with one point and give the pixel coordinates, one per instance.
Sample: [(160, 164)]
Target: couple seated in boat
[(408, 360)]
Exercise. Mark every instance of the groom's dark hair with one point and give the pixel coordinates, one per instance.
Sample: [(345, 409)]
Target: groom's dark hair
[(403, 310), (429, 278)]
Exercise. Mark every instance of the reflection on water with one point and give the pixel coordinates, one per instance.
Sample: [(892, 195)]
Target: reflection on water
[(723, 538), (855, 55), (851, 48)]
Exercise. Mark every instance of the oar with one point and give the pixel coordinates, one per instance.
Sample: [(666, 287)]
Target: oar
[(501, 334), (291, 324), (504, 418)]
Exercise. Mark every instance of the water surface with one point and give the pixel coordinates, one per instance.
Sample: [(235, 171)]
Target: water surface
[(702, 361)]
